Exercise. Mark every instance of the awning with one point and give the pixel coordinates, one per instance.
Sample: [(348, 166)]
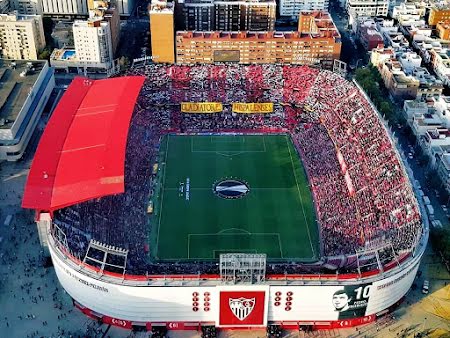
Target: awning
[(81, 154)]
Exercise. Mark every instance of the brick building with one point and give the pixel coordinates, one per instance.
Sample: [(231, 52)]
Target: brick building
[(316, 41)]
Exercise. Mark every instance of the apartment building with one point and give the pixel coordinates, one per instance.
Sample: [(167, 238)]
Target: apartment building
[(291, 8), (21, 36), (440, 61), (28, 7), (95, 41), (429, 85), (162, 31), (381, 54), (434, 139), (223, 15), (422, 123), (404, 10), (443, 30), (366, 8), (409, 61), (399, 84), (317, 42), (440, 11), (413, 108), (368, 34)]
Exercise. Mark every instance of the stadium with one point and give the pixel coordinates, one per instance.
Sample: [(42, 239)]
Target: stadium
[(213, 196)]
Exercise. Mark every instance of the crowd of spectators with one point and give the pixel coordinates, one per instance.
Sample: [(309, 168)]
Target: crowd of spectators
[(360, 189), (209, 332), (274, 331)]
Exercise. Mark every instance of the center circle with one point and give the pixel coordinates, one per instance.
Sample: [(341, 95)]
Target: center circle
[(231, 188)]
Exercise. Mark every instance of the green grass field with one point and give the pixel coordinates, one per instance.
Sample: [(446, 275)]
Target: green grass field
[(275, 217)]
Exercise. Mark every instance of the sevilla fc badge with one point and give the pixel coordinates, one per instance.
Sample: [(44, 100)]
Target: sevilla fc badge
[(241, 307)]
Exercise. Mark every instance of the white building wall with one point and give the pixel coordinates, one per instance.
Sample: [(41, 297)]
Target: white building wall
[(410, 61), (23, 36), (93, 44), (442, 71), (293, 7), (367, 8)]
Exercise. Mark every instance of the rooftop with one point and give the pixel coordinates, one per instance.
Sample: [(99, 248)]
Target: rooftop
[(436, 134), (16, 80), (446, 160), (161, 7), (15, 16), (441, 5), (248, 35), (415, 104)]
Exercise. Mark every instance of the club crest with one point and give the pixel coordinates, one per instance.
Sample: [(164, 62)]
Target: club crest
[(241, 307)]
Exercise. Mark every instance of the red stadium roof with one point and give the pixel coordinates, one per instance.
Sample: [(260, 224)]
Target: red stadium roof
[(81, 154)]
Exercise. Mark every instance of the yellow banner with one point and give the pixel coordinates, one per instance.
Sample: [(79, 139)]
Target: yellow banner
[(253, 108), (201, 107)]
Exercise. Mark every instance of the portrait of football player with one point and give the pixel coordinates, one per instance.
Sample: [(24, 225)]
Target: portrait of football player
[(341, 300)]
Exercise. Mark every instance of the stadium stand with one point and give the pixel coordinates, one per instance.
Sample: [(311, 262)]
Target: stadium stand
[(359, 187)]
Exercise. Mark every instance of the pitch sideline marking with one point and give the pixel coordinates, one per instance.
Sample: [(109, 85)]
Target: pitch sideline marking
[(189, 245), (279, 244), (234, 234), (162, 193), (231, 152), (301, 198)]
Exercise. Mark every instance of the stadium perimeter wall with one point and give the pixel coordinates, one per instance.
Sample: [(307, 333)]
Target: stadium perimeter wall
[(189, 304)]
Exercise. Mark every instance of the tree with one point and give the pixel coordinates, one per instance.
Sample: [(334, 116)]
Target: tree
[(45, 54), (124, 62), (385, 109)]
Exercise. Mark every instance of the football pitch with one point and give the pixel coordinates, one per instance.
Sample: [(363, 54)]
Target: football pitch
[(232, 194)]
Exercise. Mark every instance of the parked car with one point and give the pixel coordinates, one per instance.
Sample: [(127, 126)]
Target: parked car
[(425, 287)]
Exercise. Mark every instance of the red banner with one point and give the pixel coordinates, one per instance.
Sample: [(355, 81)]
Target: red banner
[(175, 325), (242, 308), (126, 324)]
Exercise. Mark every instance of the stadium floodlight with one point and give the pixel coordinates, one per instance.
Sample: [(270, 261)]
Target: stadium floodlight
[(242, 268), (106, 257), (375, 254)]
